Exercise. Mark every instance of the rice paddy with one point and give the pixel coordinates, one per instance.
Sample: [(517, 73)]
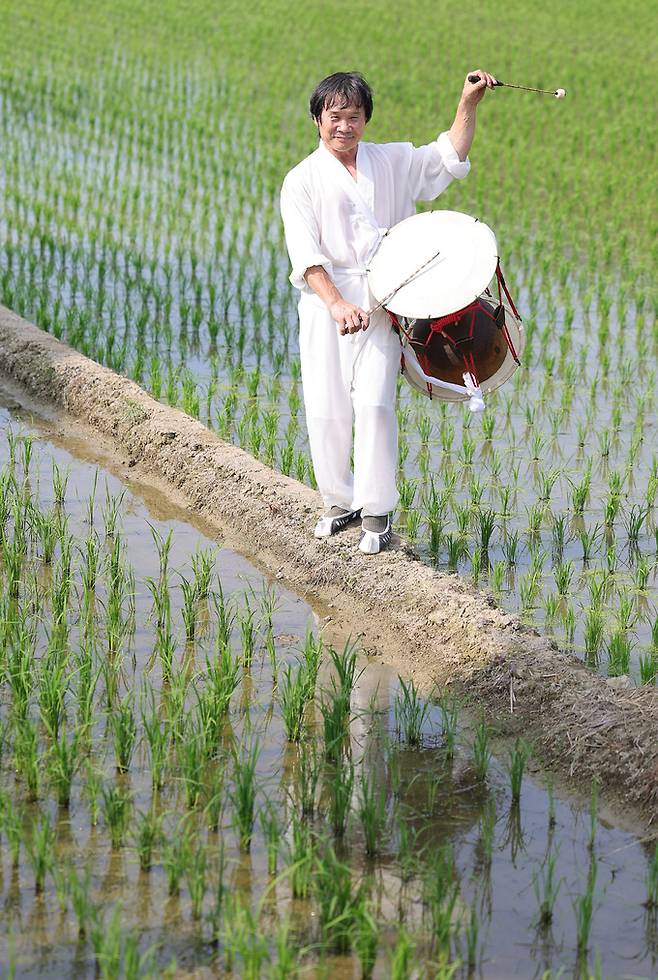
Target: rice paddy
[(139, 181), (194, 778)]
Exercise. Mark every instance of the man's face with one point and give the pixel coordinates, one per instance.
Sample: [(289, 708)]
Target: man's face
[(341, 129)]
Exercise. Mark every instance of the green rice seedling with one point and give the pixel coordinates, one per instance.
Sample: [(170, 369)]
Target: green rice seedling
[(63, 761), (563, 575), (215, 796), (222, 679), (627, 612), (440, 891), (248, 634), (497, 577), (510, 546), (292, 697), (11, 823), (589, 540), (407, 490), (635, 522), (651, 881), (163, 548), (335, 710), (309, 772), (26, 757), (271, 828), (529, 588), (486, 520), (146, 836), (117, 808), (551, 604), (371, 809), (580, 494), (584, 910), (225, 616), (481, 750), (345, 664), (92, 791), (648, 668), (593, 633), (40, 847), (196, 877), (618, 649), (79, 891), (457, 549), (124, 731), (53, 687), (243, 790), (472, 935), (302, 858), (332, 889), (341, 785), (191, 755), (189, 608), (569, 620), (365, 937), (410, 712), (546, 890), (312, 652), (409, 851), (156, 743), (111, 512), (161, 604), (477, 561), (434, 505), (90, 555), (517, 762), (48, 530), (105, 936), (26, 453), (450, 718), (60, 483), (286, 966), (641, 575), (401, 959), (175, 852), (412, 524)]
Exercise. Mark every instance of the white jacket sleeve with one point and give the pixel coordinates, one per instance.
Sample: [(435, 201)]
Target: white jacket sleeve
[(302, 232), (433, 167)]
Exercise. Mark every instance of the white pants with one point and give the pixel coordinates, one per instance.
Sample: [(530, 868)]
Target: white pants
[(351, 381)]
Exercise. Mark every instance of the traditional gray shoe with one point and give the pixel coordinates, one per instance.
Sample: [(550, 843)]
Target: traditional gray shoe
[(334, 520), (376, 533)]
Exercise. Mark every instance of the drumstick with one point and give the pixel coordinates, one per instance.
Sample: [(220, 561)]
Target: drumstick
[(559, 93), (402, 284)]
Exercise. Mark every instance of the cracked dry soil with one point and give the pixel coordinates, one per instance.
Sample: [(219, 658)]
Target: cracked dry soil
[(431, 626)]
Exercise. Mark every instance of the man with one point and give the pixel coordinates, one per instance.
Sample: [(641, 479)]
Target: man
[(335, 206)]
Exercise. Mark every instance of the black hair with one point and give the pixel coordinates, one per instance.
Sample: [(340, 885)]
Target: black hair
[(341, 89)]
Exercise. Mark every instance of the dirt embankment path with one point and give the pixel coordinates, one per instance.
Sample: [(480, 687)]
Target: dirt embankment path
[(428, 625)]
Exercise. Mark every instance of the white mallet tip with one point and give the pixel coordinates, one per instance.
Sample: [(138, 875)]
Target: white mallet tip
[(560, 93)]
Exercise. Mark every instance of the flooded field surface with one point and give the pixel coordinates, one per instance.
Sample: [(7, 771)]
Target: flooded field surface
[(139, 222), (193, 781)]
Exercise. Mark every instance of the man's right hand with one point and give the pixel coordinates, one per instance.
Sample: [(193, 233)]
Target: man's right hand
[(350, 318)]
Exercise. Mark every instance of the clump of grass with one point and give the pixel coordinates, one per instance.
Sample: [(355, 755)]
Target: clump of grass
[(410, 712)]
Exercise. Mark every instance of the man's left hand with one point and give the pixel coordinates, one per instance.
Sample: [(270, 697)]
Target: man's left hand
[(473, 92)]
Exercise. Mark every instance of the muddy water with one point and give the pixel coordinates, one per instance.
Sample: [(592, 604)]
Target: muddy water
[(442, 803)]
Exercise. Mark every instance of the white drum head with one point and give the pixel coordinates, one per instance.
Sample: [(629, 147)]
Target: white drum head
[(462, 270)]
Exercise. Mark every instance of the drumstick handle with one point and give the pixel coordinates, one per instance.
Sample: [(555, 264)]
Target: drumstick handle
[(473, 79)]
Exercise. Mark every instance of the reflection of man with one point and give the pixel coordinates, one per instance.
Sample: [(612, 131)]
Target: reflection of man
[(334, 205)]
